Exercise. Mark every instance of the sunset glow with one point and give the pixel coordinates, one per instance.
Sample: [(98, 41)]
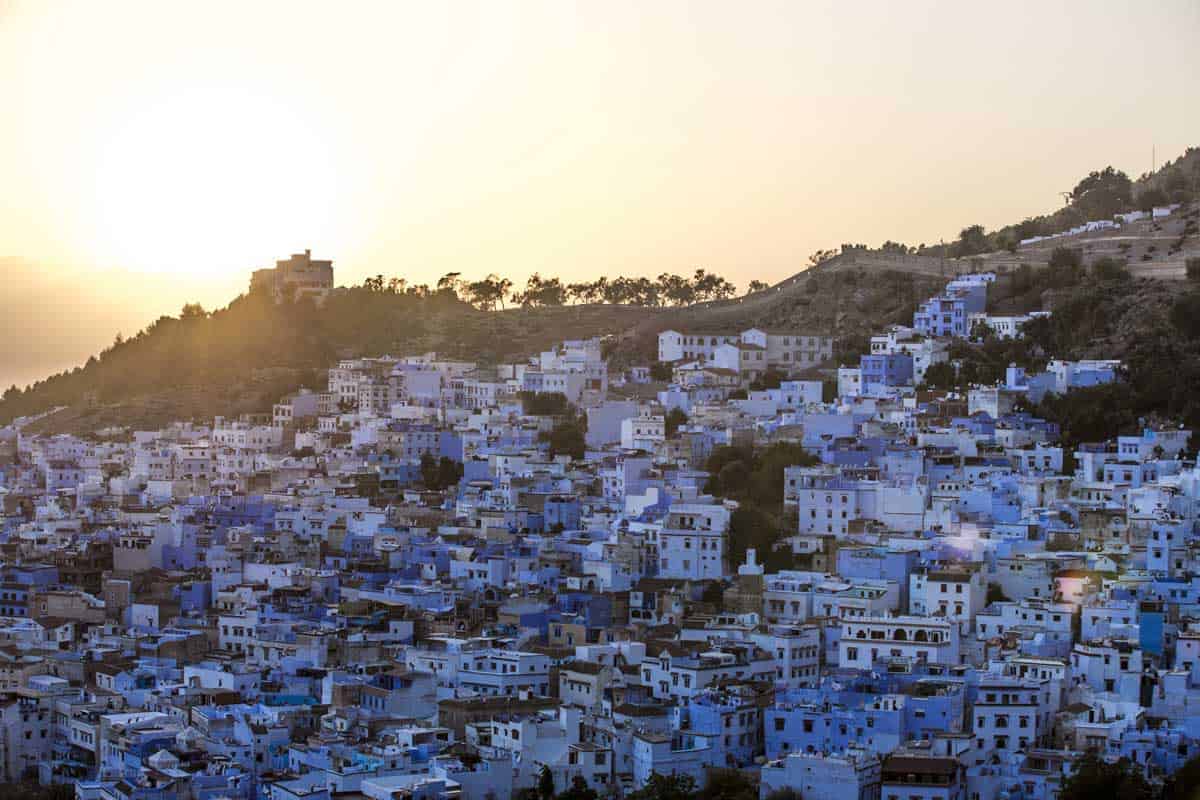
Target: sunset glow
[(569, 138), (210, 179)]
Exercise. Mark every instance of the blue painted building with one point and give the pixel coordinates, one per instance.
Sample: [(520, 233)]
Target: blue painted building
[(879, 370)]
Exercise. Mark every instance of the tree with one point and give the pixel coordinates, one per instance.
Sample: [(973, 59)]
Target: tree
[(487, 292), (819, 257), (1102, 194), (449, 473), (941, 375), (500, 287), (542, 292), (428, 470), (1094, 777), (599, 289), (1020, 280), (1109, 269), (1149, 198), (1065, 257), (545, 785), (673, 419), (1091, 413), (31, 790), (193, 311), (614, 291), (567, 438), (676, 289), (438, 474), (995, 594), (449, 284), (972, 240), (758, 286), (894, 248), (770, 379), (786, 793), (580, 292), (752, 527), (849, 348), (544, 404), (579, 790), (1066, 268), (1185, 314), (727, 784), (1184, 784), (766, 481), (666, 787), (754, 476), (645, 292), (708, 286), (732, 478), (661, 371), (1192, 265), (1029, 228)]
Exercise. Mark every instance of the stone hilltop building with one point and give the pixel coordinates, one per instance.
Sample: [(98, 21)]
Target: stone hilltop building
[(294, 277)]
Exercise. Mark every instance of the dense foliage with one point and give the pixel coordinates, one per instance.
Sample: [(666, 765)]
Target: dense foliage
[(1098, 195), (567, 437), (491, 291), (440, 473), (754, 477), (666, 787), (719, 784), (1094, 777), (1153, 327), (672, 420), (31, 790), (544, 404)]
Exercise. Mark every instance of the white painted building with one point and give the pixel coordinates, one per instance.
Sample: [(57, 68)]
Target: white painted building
[(1006, 714), (952, 594), (850, 775), (919, 639), (691, 544), (643, 432), (505, 672)]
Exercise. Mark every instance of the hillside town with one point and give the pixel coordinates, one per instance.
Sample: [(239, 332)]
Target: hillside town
[(435, 579)]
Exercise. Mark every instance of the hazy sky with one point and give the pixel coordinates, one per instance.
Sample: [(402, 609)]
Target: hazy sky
[(194, 142)]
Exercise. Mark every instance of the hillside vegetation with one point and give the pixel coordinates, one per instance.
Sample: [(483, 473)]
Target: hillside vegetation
[(243, 357), (1099, 311)]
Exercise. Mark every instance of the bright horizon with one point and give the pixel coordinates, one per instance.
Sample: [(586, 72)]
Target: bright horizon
[(183, 146)]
